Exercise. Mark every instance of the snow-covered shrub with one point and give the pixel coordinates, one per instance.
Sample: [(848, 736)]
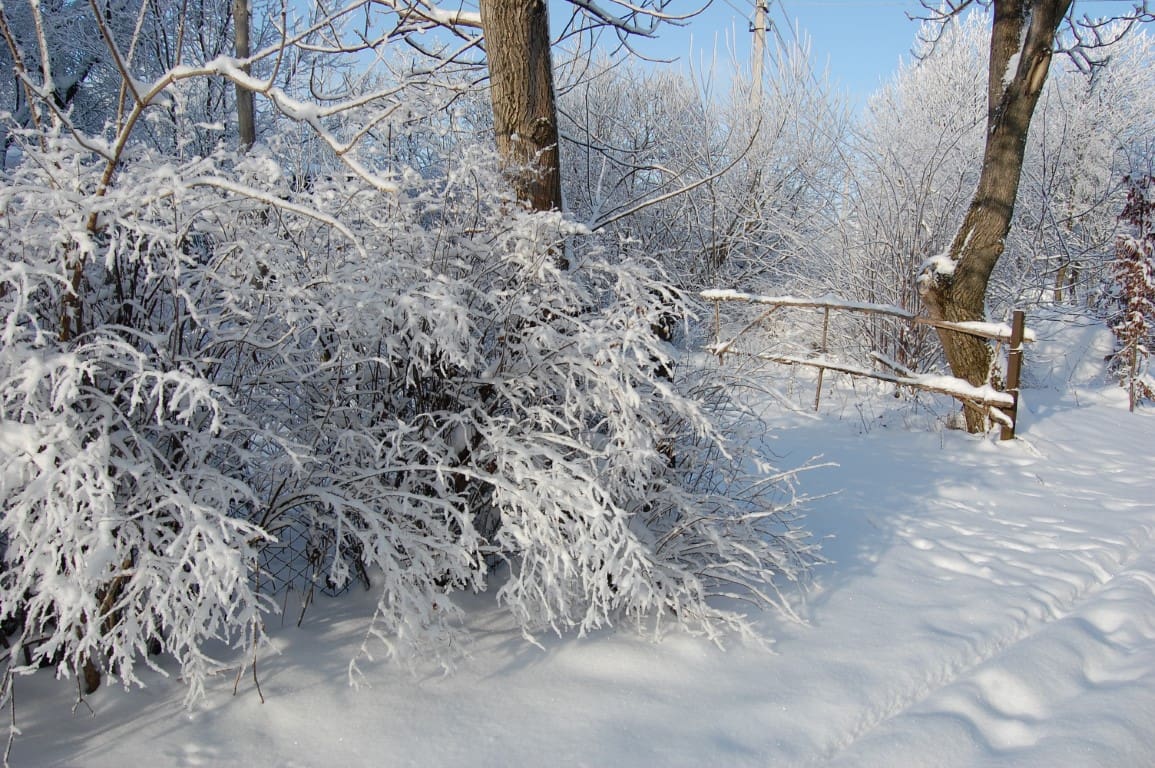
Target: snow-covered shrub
[(756, 172), (120, 446), (204, 359), (1132, 291), (910, 175)]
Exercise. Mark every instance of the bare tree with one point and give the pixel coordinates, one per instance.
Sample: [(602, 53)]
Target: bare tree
[(910, 172), (718, 186), (1023, 42), (516, 37)]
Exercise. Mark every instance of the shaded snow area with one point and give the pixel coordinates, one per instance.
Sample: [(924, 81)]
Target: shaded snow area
[(987, 604)]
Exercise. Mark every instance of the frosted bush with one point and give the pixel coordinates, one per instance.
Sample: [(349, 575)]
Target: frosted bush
[(401, 387)]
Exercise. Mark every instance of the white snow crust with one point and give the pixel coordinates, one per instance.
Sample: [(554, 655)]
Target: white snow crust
[(987, 604)]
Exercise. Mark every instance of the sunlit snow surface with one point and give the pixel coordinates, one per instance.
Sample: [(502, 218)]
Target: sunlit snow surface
[(989, 604)]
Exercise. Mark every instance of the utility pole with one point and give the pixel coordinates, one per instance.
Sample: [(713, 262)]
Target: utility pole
[(758, 51)]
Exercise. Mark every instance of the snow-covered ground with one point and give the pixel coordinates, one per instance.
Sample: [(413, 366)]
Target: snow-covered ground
[(987, 604)]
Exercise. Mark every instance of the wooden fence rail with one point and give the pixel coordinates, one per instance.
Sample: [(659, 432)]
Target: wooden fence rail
[(1002, 406)]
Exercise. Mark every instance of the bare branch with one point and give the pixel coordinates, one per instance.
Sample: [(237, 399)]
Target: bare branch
[(1082, 36), (1087, 37), (606, 221), (273, 201), (21, 70)]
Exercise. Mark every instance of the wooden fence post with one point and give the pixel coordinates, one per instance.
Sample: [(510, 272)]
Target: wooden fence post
[(718, 330), (822, 351), (1014, 371)]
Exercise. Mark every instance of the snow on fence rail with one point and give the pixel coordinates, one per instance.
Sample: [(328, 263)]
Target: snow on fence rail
[(1001, 406)]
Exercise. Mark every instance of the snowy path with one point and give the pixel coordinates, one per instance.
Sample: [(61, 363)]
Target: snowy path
[(1036, 615), (990, 604)]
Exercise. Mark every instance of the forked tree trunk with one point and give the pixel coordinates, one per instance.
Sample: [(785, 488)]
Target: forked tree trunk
[(521, 88), (1022, 43)]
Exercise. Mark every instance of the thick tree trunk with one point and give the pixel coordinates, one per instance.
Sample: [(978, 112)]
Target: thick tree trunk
[(521, 88), (246, 112), (1022, 41)]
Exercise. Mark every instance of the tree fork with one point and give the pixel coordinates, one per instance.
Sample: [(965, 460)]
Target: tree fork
[(958, 294)]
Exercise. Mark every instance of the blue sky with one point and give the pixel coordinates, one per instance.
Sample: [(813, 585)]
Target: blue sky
[(861, 41)]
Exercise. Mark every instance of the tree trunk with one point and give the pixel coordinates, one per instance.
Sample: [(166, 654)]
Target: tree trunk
[(521, 88), (1022, 41), (246, 118)]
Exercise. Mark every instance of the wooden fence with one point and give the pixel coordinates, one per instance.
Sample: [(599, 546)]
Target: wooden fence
[(1001, 405)]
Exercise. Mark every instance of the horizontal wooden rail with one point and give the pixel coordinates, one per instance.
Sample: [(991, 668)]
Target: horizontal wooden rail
[(993, 331), (944, 385)]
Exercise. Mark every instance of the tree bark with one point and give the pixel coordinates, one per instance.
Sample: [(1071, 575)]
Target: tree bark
[(522, 92), (1022, 43), (246, 117)]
